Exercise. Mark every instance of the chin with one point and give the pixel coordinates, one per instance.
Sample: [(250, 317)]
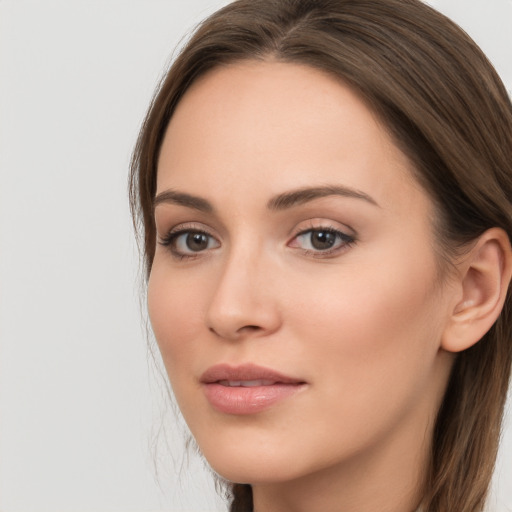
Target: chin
[(253, 466), (269, 459), (249, 472)]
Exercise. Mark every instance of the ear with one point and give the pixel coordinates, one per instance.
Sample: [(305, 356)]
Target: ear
[(483, 281)]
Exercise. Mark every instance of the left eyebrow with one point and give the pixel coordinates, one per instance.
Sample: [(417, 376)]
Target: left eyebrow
[(304, 195)]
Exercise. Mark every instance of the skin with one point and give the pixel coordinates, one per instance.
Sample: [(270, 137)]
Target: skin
[(362, 326)]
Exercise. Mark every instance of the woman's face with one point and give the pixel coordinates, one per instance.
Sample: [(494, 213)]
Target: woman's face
[(295, 292)]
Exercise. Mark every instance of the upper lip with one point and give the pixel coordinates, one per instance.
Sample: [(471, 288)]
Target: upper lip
[(245, 372)]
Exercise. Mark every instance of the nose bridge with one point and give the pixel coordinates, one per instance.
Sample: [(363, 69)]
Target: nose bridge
[(242, 302)]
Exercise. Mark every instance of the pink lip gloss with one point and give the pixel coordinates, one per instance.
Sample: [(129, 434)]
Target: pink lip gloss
[(246, 389)]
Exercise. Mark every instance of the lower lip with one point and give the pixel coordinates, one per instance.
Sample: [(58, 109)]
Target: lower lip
[(247, 400)]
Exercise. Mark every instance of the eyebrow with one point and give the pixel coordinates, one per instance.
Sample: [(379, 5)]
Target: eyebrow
[(304, 195), (182, 199), (282, 201)]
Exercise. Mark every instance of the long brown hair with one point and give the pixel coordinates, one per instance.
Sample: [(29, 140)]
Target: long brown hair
[(447, 110)]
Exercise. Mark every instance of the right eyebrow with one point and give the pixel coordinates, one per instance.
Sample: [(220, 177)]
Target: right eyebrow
[(182, 199)]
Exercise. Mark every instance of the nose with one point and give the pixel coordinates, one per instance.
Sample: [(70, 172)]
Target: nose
[(244, 303)]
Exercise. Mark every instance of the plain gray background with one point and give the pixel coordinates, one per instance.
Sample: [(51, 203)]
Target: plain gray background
[(79, 400)]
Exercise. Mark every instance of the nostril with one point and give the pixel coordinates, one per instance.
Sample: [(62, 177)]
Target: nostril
[(237, 333), (249, 328)]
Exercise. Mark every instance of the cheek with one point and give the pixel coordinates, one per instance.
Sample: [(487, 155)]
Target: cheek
[(175, 312), (372, 328), (349, 304), (370, 348)]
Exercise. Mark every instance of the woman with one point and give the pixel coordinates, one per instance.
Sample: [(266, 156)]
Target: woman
[(324, 193)]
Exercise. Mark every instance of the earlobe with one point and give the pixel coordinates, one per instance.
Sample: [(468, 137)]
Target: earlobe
[(484, 280)]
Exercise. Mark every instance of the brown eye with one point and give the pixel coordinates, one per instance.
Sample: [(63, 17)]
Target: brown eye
[(197, 241), (322, 240), (188, 242)]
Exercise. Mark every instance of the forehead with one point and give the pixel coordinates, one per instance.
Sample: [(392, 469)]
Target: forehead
[(276, 126)]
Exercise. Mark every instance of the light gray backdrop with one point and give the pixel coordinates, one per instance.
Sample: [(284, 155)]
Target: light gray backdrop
[(78, 398)]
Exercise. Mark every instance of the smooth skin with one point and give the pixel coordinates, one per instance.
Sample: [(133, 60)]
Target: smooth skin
[(243, 273)]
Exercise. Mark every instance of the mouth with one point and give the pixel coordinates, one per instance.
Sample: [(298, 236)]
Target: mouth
[(246, 383), (247, 389)]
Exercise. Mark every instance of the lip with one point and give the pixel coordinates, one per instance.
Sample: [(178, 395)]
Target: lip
[(247, 389)]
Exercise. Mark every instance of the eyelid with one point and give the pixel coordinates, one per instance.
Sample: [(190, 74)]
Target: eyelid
[(323, 223), (189, 226)]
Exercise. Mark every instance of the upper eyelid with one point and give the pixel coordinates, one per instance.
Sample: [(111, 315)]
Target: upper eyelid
[(189, 226), (337, 231), (326, 224), (321, 228)]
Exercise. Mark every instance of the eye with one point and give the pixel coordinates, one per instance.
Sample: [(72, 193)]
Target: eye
[(322, 241), (188, 243)]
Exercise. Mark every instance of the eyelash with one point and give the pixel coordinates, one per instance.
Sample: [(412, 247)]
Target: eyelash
[(347, 241)]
